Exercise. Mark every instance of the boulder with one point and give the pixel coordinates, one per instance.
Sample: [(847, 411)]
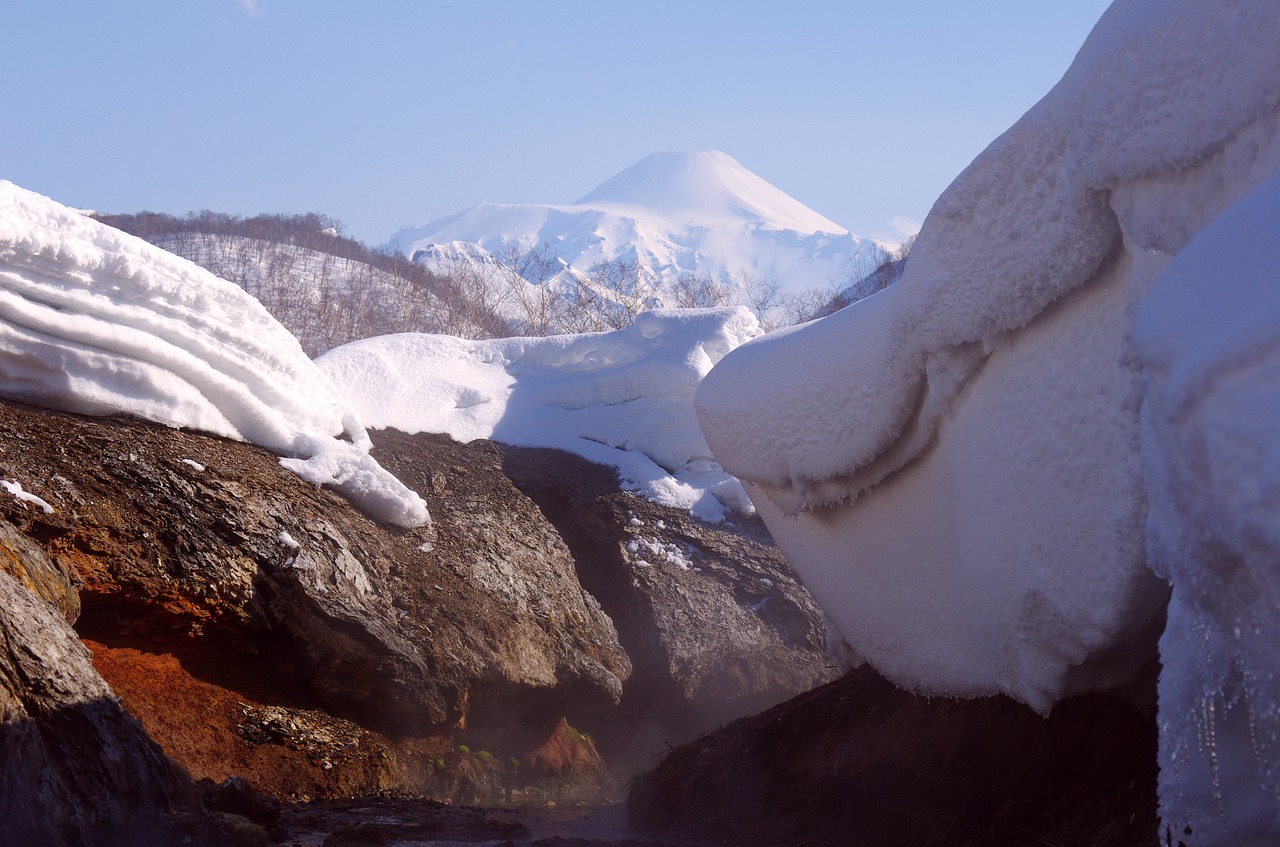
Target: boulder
[(47, 578), (272, 592), (714, 620), (259, 626), (860, 761)]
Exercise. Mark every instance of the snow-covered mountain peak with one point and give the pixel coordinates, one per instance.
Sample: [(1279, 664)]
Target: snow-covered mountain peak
[(705, 186), (670, 214)]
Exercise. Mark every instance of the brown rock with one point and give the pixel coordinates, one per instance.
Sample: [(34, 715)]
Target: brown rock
[(27, 562), (567, 763), (218, 587), (75, 768), (178, 535)]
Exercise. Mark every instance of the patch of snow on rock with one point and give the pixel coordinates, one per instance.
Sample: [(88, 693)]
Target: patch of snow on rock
[(14, 488)]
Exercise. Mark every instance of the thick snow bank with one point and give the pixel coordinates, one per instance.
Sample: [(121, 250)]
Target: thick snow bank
[(977, 470), (961, 451), (1208, 335), (622, 398), (98, 322)]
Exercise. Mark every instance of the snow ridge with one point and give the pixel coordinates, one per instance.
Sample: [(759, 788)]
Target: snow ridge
[(622, 398), (98, 322)]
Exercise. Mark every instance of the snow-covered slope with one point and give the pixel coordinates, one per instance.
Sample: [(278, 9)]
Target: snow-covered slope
[(673, 212), (704, 188), (623, 398), (956, 466), (99, 322)]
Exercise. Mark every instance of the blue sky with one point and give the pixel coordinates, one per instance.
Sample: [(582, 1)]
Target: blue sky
[(383, 114)]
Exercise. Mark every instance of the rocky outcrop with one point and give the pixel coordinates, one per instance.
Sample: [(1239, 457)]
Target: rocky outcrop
[(860, 761), (260, 627), (713, 618), (200, 559), (47, 578), (75, 768)]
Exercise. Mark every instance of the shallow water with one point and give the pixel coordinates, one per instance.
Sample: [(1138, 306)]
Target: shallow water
[(419, 823), (605, 821)]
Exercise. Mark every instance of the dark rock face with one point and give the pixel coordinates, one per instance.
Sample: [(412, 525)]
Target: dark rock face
[(546, 631), (713, 618), (258, 626), (216, 587), (75, 768), (860, 761), (183, 537)]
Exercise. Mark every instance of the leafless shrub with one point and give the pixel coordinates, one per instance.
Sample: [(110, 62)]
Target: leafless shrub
[(324, 288)]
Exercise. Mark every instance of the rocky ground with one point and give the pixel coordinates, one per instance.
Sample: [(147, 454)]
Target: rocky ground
[(860, 761), (198, 648), (541, 640)]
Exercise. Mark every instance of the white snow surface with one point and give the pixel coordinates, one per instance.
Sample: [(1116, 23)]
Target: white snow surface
[(1208, 335), (13, 487), (705, 186), (672, 212), (621, 398), (98, 322), (956, 465)]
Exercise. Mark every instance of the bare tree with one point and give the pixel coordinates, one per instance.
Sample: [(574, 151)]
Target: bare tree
[(323, 287), (762, 295), (693, 290)]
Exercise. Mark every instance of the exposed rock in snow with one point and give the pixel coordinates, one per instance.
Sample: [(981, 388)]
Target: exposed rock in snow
[(859, 761), (243, 567), (99, 322), (75, 768), (258, 626), (713, 618), (46, 577)]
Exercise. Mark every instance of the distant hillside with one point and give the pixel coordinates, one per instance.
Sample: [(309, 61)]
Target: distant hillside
[(326, 289)]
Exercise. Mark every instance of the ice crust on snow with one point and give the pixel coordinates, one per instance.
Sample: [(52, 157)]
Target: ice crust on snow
[(98, 322), (622, 398), (973, 482)]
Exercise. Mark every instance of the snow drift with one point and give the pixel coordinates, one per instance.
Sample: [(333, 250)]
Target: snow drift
[(956, 465), (623, 398), (98, 322)]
